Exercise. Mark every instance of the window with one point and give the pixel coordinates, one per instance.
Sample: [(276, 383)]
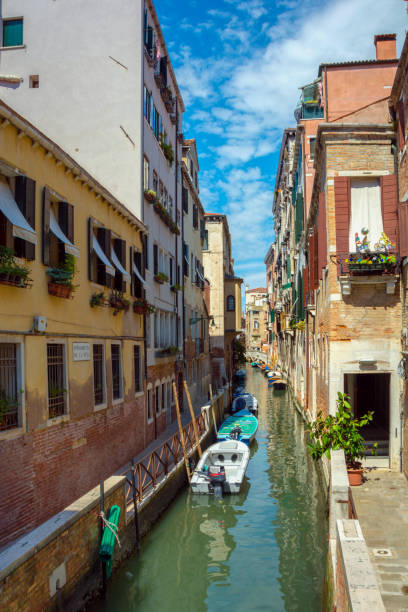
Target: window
[(98, 374), (137, 367), (365, 211), (161, 193), (147, 105), (168, 395), (195, 217), (155, 259), (155, 181), (312, 147), (205, 241), (230, 303), (9, 386), (116, 372), (256, 324), (149, 405), (56, 380), (34, 81), (171, 206), (58, 230), (12, 32), (148, 330), (185, 260), (17, 217), (163, 397), (157, 399), (184, 199), (145, 174), (156, 330)]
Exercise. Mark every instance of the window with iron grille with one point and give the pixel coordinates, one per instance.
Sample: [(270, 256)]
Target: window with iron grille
[(137, 366), (116, 372), (157, 400), (9, 408), (149, 405), (56, 380), (99, 374), (195, 217), (163, 396)]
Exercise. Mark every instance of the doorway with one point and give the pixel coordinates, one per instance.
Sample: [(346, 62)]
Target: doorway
[(368, 392)]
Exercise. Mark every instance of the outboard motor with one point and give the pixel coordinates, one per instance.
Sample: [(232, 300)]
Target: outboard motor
[(217, 480), (235, 432)]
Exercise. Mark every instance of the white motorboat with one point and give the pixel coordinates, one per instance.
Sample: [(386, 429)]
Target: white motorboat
[(221, 468), (245, 401)]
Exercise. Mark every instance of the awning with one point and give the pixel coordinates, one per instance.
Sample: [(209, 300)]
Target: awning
[(201, 277), (98, 250), (57, 231), (10, 209), (119, 266), (139, 276), (186, 259)]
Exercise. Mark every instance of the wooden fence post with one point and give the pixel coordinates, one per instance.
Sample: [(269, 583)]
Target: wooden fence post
[(193, 419), (183, 445), (212, 411)]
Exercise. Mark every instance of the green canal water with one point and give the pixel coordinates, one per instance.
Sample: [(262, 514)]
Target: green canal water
[(264, 549)]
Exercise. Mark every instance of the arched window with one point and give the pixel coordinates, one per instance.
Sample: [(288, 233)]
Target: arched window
[(230, 302)]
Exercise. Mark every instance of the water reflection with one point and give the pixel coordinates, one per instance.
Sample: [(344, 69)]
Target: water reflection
[(263, 549)]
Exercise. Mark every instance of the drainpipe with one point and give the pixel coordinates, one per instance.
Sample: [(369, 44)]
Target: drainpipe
[(394, 150)]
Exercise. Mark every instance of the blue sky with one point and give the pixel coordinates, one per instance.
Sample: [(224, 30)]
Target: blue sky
[(239, 65)]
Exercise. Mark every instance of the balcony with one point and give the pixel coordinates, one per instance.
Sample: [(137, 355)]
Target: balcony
[(368, 268)]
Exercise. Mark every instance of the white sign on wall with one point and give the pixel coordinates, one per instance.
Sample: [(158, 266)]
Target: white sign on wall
[(81, 351)]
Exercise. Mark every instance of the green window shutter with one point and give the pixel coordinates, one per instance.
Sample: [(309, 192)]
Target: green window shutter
[(300, 309), (272, 316), (288, 265), (298, 217), (12, 32)]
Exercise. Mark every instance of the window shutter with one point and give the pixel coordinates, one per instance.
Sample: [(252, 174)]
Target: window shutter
[(163, 69), (401, 125), (300, 306), (149, 37), (305, 283), (311, 262), (131, 271), (171, 271), (184, 199), (66, 219), (403, 229), (119, 246), (322, 234), (389, 206), (155, 260), (25, 199), (342, 199), (105, 240), (138, 284), (46, 227), (298, 216), (91, 268), (145, 254), (316, 271)]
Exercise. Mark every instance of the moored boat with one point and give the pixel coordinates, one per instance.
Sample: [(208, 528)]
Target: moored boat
[(245, 401), (240, 426), (221, 468), (279, 384)]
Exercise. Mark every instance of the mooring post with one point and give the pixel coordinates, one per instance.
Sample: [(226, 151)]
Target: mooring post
[(135, 506), (193, 419), (212, 411), (183, 444), (101, 527)]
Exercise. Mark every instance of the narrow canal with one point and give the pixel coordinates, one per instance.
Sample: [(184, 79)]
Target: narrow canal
[(264, 549)]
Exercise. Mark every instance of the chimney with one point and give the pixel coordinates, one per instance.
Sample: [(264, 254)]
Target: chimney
[(385, 46)]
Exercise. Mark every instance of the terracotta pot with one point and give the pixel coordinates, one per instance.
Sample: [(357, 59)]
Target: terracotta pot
[(62, 291), (138, 309), (355, 477)]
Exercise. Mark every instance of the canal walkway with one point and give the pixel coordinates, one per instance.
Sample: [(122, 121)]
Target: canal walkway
[(382, 509)]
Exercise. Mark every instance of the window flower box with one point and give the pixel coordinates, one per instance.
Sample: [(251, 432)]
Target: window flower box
[(60, 283), (150, 195), (370, 261), (142, 306), (176, 287), (118, 302), (10, 272), (168, 151), (97, 299), (170, 350), (161, 278)]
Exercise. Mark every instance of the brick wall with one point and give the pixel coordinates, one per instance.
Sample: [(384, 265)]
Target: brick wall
[(25, 572), (47, 469)]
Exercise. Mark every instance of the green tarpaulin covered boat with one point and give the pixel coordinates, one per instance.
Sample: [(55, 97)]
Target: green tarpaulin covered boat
[(240, 426)]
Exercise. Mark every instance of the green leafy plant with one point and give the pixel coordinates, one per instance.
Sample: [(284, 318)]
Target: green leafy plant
[(64, 273), (118, 301), (301, 325), (141, 305), (150, 195), (171, 350), (10, 270), (339, 432), (161, 277), (97, 299), (167, 150), (176, 287), (8, 407)]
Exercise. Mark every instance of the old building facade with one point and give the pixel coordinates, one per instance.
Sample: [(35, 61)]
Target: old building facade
[(256, 317)]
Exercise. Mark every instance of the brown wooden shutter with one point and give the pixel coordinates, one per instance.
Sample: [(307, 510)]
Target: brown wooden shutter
[(311, 262), (403, 229), (145, 262), (92, 275), (322, 234), (316, 271), (66, 219), (155, 260), (105, 240), (138, 283), (46, 227), (131, 271), (305, 284), (342, 211), (119, 246), (25, 199), (389, 206)]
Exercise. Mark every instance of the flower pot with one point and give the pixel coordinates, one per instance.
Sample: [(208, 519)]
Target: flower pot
[(355, 476), (158, 279), (57, 290), (139, 309), (150, 197)]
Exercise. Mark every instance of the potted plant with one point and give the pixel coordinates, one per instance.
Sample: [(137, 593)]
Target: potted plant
[(171, 350), (8, 411), (97, 299), (11, 273), (118, 301), (142, 306), (150, 195), (176, 287), (301, 325), (341, 432), (161, 278), (61, 284), (167, 150)]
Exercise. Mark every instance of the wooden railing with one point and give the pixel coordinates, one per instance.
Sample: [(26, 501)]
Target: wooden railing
[(154, 467)]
